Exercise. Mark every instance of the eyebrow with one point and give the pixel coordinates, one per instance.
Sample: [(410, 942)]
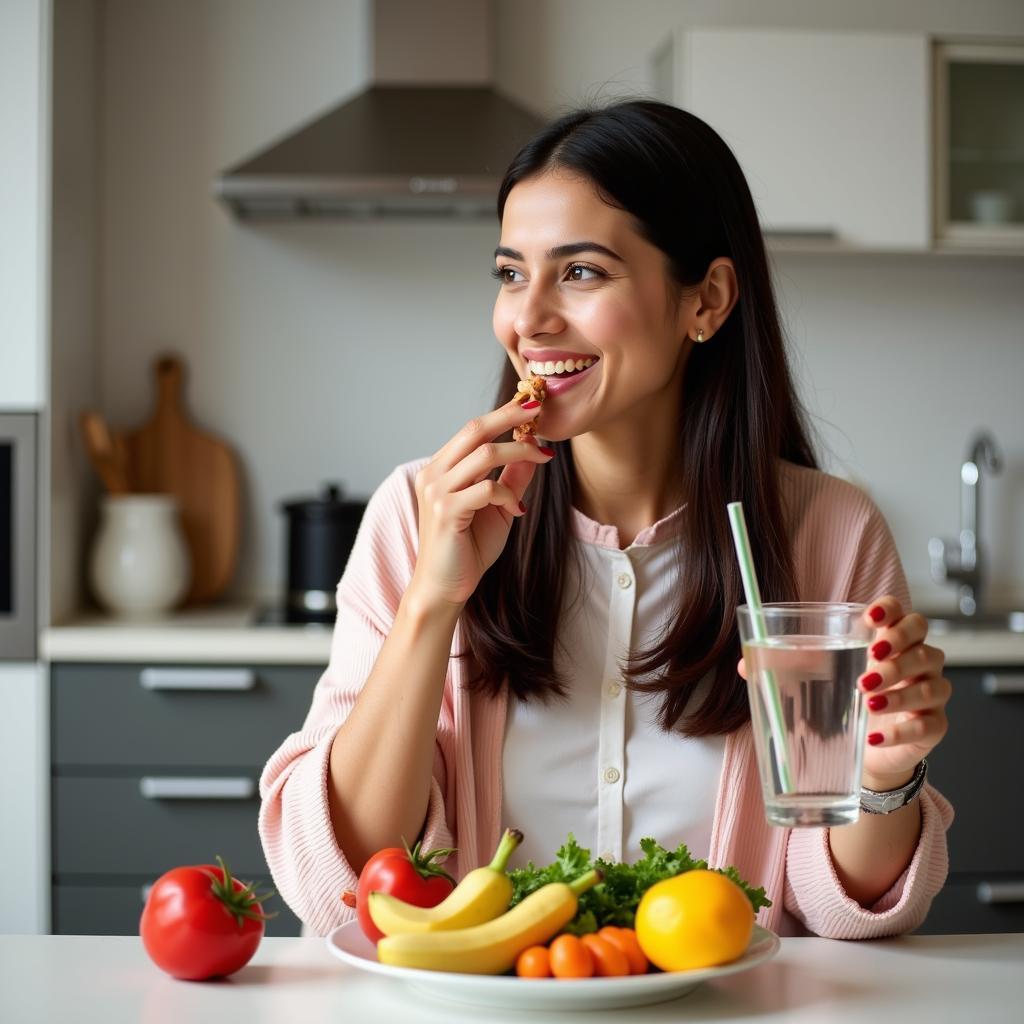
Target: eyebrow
[(560, 251)]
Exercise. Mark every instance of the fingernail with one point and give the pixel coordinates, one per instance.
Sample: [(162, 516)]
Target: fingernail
[(522, 508), (545, 451), (532, 404), (878, 702), (874, 738), (881, 650), (871, 681), (877, 613)]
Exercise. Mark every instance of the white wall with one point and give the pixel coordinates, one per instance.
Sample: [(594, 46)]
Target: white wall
[(74, 381), (900, 358)]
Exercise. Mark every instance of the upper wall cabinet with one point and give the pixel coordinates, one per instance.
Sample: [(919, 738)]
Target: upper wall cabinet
[(24, 113), (979, 146), (831, 128)]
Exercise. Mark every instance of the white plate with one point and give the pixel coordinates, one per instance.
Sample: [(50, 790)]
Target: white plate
[(348, 943)]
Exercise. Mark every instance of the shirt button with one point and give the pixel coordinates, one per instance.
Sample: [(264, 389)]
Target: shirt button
[(611, 775), (614, 689), (624, 580)]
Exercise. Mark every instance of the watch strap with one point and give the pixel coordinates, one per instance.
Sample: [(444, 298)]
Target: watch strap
[(873, 802)]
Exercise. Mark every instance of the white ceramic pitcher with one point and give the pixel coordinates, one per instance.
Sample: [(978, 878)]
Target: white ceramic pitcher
[(140, 566)]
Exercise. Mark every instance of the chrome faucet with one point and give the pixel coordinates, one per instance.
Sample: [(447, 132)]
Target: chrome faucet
[(961, 562)]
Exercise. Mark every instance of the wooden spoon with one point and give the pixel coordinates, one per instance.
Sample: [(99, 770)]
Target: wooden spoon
[(104, 453)]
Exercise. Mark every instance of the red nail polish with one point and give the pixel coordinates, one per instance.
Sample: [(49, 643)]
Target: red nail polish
[(532, 404), (877, 613), (878, 702), (874, 738), (881, 650), (871, 681), (545, 451)]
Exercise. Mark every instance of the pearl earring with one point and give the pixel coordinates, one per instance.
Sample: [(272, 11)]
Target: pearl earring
[(700, 334)]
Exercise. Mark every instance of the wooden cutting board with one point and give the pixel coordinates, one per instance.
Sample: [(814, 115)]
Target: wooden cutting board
[(170, 455)]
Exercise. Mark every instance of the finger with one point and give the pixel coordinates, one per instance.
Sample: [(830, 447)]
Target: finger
[(917, 662), (899, 636), (517, 476), (883, 611), (482, 429), (475, 466), (925, 695), (924, 728), (461, 505)]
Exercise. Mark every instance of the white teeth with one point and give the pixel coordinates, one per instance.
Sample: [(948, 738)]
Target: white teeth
[(550, 368)]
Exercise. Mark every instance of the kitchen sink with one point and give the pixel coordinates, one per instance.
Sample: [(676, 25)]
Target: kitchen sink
[(988, 621)]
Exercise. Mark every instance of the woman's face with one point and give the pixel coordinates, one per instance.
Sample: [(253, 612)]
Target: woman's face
[(580, 288)]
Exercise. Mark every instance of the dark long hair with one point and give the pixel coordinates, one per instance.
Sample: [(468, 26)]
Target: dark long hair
[(740, 415)]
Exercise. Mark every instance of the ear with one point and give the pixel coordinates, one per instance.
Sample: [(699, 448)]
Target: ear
[(716, 296)]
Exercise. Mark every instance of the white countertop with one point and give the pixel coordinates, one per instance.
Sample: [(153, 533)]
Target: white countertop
[(227, 635), (219, 634), (931, 979)]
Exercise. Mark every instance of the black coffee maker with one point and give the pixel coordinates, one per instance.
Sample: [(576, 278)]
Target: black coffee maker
[(321, 532)]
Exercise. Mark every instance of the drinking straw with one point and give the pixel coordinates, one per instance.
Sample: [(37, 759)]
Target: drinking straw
[(753, 593)]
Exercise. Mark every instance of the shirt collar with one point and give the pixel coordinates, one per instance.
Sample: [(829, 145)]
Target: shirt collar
[(588, 531)]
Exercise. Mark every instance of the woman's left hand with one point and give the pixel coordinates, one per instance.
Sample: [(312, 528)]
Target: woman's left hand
[(906, 695)]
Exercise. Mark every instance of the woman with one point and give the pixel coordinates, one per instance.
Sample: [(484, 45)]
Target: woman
[(543, 634)]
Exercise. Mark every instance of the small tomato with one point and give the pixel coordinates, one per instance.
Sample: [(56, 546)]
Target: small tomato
[(411, 875), (200, 922)]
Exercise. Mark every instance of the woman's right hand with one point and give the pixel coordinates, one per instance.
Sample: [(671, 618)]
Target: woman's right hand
[(464, 516)]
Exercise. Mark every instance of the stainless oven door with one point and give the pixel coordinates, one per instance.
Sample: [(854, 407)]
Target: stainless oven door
[(18, 537)]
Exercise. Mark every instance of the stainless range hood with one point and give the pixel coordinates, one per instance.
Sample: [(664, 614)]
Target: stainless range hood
[(430, 136)]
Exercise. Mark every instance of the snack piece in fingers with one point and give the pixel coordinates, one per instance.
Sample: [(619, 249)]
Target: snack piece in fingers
[(528, 390)]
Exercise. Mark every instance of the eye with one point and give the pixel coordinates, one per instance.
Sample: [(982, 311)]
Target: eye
[(576, 272), (506, 275)]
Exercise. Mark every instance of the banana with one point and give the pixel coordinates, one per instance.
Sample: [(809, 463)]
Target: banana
[(492, 947), (482, 895)]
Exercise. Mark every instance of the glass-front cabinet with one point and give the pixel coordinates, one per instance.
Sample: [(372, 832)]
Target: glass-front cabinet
[(979, 136)]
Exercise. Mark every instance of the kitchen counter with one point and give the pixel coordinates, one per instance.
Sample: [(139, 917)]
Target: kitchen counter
[(227, 635), (220, 634), (928, 979)]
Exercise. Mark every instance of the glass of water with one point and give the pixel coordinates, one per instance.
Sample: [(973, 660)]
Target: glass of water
[(808, 715)]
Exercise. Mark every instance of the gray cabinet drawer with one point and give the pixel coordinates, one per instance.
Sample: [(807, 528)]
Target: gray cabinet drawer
[(105, 715), (959, 910), (106, 826), (115, 910), (976, 766)]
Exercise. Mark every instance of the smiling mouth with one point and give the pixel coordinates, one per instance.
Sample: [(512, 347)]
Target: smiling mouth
[(561, 368)]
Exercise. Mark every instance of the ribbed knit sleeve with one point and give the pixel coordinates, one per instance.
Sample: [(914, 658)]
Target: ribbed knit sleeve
[(309, 869), (844, 551), (815, 896)]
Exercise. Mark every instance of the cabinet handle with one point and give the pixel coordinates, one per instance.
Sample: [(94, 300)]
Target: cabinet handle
[(1001, 684), (197, 679), (162, 787), (1000, 892), (144, 891)]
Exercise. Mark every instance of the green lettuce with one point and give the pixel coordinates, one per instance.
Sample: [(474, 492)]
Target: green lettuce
[(614, 900)]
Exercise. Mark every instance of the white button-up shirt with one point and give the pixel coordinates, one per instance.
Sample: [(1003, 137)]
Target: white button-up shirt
[(598, 764)]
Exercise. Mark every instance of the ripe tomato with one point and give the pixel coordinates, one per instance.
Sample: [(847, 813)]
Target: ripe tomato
[(411, 875), (200, 922)]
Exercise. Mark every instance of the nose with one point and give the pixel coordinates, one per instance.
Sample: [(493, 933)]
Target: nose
[(537, 313)]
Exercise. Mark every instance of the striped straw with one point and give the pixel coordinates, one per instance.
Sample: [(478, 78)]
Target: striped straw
[(753, 594)]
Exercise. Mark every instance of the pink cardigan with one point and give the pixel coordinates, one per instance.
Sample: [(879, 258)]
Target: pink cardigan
[(843, 550)]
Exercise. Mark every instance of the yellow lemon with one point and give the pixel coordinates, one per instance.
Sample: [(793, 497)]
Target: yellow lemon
[(697, 919)]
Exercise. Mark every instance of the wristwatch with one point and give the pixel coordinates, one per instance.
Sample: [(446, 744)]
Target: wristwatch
[(893, 799)]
